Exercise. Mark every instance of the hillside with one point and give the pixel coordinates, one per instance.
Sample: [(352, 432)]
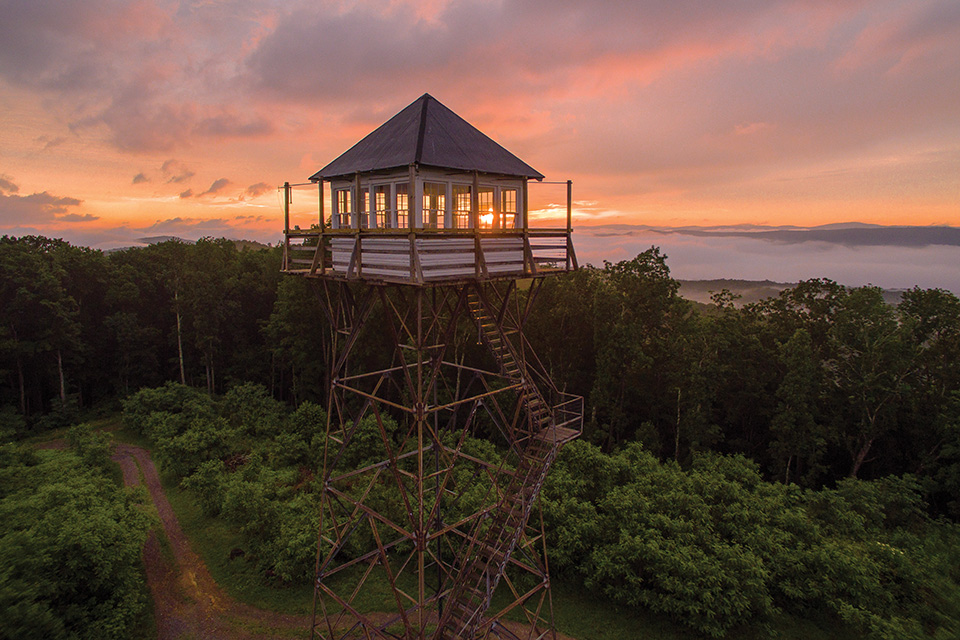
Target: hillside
[(750, 290)]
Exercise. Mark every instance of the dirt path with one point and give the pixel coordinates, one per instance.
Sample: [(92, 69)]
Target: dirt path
[(188, 603)]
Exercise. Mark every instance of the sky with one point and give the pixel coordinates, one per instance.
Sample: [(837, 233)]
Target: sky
[(125, 119)]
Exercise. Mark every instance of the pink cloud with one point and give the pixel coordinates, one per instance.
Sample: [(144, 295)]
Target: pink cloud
[(216, 187), (257, 189), (176, 172), (76, 217), (35, 208), (7, 184)]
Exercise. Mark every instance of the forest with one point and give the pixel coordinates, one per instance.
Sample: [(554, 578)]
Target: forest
[(798, 455)]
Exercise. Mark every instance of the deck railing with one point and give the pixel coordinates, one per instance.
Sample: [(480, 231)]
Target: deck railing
[(428, 255)]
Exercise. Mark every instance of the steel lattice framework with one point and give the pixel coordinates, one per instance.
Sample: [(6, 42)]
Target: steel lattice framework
[(419, 517)]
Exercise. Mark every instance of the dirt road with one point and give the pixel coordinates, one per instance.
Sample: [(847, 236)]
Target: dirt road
[(187, 601)]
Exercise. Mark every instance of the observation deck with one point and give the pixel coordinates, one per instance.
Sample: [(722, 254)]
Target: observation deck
[(426, 198), (423, 256)]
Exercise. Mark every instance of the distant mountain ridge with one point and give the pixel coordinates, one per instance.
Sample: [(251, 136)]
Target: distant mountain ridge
[(242, 245), (750, 291), (159, 239), (850, 234), (867, 236)]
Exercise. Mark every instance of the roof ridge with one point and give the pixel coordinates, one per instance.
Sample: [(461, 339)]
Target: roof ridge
[(423, 128)]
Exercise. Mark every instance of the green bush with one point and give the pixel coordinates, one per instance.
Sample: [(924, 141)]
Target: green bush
[(70, 545), (93, 447), (715, 546), (204, 439), (250, 409), (173, 405)]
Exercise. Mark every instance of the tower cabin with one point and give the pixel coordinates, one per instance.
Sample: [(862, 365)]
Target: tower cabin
[(427, 198)]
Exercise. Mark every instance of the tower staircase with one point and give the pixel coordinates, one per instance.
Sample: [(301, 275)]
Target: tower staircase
[(494, 540)]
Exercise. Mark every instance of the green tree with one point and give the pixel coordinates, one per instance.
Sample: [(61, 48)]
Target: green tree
[(210, 297), (930, 435), (70, 545), (298, 337), (637, 317), (37, 318), (869, 365), (798, 438)]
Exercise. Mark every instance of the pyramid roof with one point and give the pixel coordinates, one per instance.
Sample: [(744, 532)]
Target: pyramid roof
[(428, 133)]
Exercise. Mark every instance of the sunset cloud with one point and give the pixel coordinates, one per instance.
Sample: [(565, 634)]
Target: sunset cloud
[(176, 172), (257, 189), (790, 111), (189, 228), (49, 143), (7, 185), (76, 217), (36, 208), (217, 186)]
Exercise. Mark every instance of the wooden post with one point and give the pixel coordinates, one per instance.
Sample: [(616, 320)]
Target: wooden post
[(320, 204), (357, 203), (392, 207), (286, 207), (475, 202), (415, 200), (335, 213), (523, 208), (413, 215), (475, 221), (286, 225), (448, 205), (569, 219), (357, 213), (318, 257)]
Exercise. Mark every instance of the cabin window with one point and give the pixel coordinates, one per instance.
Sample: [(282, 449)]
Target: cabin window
[(434, 203), (485, 205), (461, 206), (381, 199), (365, 209), (344, 208), (403, 205), (508, 208)]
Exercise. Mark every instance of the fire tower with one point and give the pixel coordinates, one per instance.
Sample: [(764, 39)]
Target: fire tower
[(433, 465)]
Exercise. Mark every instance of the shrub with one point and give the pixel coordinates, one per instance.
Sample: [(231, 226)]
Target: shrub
[(70, 545), (174, 404), (715, 546)]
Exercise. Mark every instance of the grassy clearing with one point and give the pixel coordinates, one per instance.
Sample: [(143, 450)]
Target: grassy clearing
[(46, 436), (212, 539), (577, 612), (114, 425)]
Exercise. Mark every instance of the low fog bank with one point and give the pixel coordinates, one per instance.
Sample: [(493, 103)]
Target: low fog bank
[(707, 254)]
